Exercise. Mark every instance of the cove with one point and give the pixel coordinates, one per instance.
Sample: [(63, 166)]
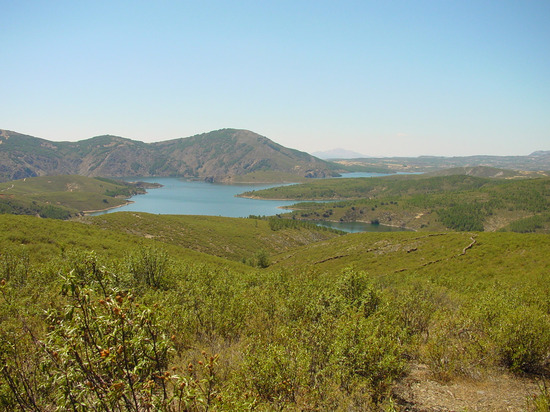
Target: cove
[(189, 197)]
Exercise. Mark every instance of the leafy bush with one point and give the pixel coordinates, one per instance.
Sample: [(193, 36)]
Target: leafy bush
[(107, 352), (103, 350), (149, 267), (456, 346), (523, 339), (541, 401), (369, 348)]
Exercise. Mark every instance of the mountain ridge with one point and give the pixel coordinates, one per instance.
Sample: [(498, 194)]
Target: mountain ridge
[(222, 155), (338, 153)]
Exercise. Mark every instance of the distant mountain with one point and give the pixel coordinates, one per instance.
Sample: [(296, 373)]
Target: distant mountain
[(222, 155), (338, 154), (541, 153), (536, 161), (488, 172)]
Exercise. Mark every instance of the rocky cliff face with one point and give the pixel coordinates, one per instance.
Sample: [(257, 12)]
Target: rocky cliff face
[(216, 156)]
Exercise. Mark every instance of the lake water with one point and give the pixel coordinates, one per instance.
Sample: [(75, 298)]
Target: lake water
[(188, 197)]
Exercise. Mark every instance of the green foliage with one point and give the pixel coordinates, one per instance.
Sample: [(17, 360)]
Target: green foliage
[(328, 325), (369, 348), (62, 197), (277, 223), (261, 259), (106, 352), (462, 203), (232, 238), (541, 401), (537, 223), (463, 217), (457, 346), (149, 267), (523, 339), (102, 348)]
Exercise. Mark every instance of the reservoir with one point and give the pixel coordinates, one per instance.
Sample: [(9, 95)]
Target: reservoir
[(190, 197)]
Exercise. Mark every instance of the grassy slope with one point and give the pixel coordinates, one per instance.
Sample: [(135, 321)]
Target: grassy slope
[(45, 239), (232, 238), (371, 187), (517, 259), (70, 193), (296, 320)]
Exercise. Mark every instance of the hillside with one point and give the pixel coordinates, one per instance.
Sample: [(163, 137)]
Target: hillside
[(231, 238), (490, 172), (424, 202), (222, 155), (92, 316), (64, 196), (536, 161)]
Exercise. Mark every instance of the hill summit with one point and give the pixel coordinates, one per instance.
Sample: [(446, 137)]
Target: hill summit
[(220, 156)]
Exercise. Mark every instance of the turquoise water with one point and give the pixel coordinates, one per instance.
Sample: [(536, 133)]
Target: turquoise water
[(186, 197)]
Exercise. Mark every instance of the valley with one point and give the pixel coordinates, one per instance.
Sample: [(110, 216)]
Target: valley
[(134, 310)]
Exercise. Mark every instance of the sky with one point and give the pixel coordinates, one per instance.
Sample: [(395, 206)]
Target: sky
[(382, 78)]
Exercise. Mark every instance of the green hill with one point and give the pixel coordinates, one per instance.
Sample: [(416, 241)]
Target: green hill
[(424, 202), (232, 238), (535, 162), (63, 196), (222, 155)]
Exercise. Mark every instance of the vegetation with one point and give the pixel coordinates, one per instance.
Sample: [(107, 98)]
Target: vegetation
[(61, 197), (437, 203), (230, 238), (95, 317), (221, 155), (534, 162), (133, 311)]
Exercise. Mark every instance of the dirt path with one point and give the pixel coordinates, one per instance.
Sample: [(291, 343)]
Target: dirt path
[(7, 188), (419, 392)]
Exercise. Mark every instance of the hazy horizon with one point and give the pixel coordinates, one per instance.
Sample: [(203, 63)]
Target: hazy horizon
[(382, 79)]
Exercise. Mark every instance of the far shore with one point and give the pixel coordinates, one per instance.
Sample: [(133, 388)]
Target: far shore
[(290, 200), (87, 212)]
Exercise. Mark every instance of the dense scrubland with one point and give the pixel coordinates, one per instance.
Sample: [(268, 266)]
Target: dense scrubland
[(139, 312)]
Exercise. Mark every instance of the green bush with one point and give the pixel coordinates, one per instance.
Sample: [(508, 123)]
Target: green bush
[(456, 347), (107, 352), (149, 267), (368, 348), (522, 336)]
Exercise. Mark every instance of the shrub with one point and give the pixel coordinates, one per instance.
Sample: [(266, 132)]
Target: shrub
[(149, 267), (106, 352), (523, 339), (456, 346), (541, 401), (368, 348)]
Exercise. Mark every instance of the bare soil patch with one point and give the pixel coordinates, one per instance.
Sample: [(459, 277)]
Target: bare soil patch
[(420, 392)]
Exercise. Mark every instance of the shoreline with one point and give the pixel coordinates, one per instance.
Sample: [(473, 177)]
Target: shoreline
[(290, 200), (405, 228), (88, 212)]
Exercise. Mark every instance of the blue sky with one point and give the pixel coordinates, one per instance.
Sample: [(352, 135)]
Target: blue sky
[(383, 78)]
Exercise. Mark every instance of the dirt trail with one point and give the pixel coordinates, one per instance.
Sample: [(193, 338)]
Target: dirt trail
[(419, 392)]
